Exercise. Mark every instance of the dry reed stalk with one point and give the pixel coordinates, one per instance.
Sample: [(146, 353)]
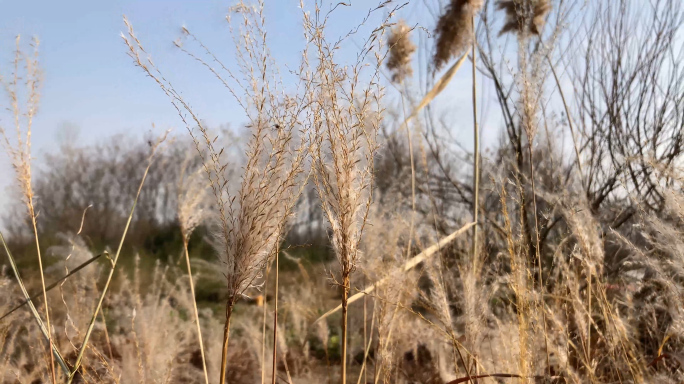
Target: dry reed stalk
[(191, 211), (263, 330), (275, 317), (476, 148), (20, 154), (456, 32), (520, 285), (567, 114), (365, 333), (473, 270), (539, 259), (529, 124), (194, 302), (531, 99), (98, 307), (526, 18), (401, 48)]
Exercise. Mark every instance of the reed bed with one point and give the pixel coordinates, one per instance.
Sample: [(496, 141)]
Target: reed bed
[(338, 238)]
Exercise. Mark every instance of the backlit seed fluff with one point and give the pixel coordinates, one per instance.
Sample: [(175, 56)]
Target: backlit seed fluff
[(401, 48), (524, 16), (454, 30)]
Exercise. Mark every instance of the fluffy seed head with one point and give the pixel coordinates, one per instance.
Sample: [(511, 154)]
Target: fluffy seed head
[(524, 16), (401, 49), (454, 30)]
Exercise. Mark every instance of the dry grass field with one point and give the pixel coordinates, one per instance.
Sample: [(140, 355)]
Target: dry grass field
[(345, 234)]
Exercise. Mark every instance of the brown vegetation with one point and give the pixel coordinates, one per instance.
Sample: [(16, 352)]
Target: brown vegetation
[(341, 227)]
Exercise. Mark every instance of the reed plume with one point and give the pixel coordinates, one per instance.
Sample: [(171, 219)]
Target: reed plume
[(401, 49), (346, 114), (524, 16), (454, 30), (251, 221)]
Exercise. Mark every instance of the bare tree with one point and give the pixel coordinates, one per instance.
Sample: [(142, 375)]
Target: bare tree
[(629, 93)]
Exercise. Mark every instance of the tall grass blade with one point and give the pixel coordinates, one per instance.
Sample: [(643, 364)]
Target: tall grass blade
[(84, 345), (196, 312), (429, 252), (437, 89)]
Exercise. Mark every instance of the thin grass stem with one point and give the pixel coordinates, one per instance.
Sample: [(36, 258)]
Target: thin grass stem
[(275, 316), (194, 306)]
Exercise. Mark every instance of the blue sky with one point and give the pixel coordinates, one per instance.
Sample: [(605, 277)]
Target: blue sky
[(92, 87)]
